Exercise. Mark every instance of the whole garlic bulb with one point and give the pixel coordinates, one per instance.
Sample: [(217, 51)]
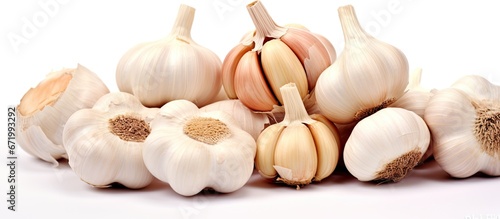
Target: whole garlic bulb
[(465, 125), (273, 56), (171, 68), (192, 150), (386, 145), (367, 76), (250, 121), (299, 149), (44, 110), (104, 144)]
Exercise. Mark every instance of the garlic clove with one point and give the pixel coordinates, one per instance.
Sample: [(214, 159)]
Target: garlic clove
[(311, 52), (295, 151), (281, 66), (327, 155), (229, 66), (252, 87), (266, 145), (44, 110)]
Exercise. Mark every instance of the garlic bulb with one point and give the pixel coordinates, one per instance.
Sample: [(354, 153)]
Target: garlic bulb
[(171, 68), (386, 145), (254, 72), (248, 120), (465, 125), (299, 149), (367, 76), (193, 150), (43, 110), (104, 144)]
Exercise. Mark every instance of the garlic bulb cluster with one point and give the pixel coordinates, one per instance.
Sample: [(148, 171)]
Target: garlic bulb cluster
[(251, 122), (386, 145), (367, 76), (104, 143), (465, 125), (299, 149), (44, 110), (171, 68), (271, 57), (192, 150)]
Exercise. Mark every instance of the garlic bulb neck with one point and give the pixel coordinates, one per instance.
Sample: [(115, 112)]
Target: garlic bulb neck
[(487, 126), (415, 79), (207, 130), (264, 24), (183, 23), (294, 107), (129, 128), (350, 25)]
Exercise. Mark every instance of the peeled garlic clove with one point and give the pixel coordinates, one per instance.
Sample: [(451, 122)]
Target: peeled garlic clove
[(253, 90), (249, 121), (192, 150), (368, 75), (465, 125), (386, 145), (44, 110), (172, 68), (281, 66), (299, 148), (104, 144)]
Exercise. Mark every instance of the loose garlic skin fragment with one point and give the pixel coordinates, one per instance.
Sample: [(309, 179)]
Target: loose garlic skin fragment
[(465, 125), (44, 110), (386, 145), (172, 68), (299, 149), (271, 57), (104, 144), (367, 76), (192, 150), (251, 122)]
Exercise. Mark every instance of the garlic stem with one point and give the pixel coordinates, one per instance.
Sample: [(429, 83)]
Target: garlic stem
[(350, 24), (294, 107), (415, 78), (183, 23), (265, 25)]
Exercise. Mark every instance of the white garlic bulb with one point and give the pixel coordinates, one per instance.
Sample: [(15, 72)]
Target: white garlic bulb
[(104, 144), (192, 150), (44, 110), (367, 76), (248, 120), (465, 125), (171, 68), (386, 145)]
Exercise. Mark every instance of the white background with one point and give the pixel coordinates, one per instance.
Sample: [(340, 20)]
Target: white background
[(446, 40)]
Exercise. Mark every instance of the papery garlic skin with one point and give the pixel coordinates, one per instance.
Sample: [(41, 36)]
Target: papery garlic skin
[(465, 124), (251, 122), (367, 76), (99, 155), (192, 150), (172, 68), (386, 145), (40, 129)]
